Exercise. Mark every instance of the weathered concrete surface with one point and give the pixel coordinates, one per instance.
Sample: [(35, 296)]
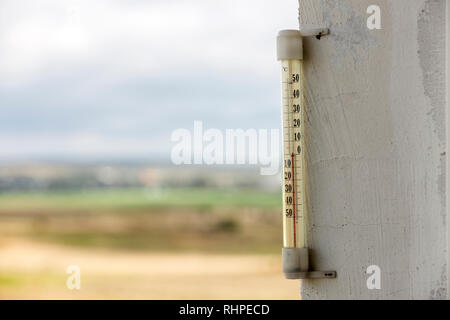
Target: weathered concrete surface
[(376, 102)]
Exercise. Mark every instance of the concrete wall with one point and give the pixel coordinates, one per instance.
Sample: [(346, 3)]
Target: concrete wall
[(376, 103)]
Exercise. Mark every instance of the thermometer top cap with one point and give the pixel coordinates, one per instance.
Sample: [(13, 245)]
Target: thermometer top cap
[(289, 45)]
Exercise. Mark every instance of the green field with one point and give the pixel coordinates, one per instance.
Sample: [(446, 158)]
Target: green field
[(118, 199), (143, 243), (200, 220)]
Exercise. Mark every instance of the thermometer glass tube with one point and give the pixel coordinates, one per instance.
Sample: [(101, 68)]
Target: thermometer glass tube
[(294, 207)]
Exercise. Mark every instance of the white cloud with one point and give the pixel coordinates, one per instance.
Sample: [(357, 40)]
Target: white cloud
[(125, 39), (111, 44)]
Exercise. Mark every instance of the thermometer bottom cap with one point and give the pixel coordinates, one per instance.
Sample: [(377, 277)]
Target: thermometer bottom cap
[(296, 265)]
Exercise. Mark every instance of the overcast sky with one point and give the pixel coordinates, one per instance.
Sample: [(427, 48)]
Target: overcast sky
[(94, 79)]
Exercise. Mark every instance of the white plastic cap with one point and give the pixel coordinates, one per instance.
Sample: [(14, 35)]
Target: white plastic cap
[(289, 45)]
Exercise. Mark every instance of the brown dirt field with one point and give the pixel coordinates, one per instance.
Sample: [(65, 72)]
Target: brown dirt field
[(38, 271)]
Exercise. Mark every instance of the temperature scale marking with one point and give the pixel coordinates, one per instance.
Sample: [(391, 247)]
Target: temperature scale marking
[(293, 151)]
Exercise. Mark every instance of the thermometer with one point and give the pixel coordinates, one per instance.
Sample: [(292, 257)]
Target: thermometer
[(295, 244), (294, 235)]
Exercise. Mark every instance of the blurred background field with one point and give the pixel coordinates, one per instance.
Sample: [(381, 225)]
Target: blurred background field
[(91, 93), (216, 235)]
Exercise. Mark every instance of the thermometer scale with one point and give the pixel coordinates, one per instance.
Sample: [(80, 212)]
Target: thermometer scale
[(293, 156), (295, 246)]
